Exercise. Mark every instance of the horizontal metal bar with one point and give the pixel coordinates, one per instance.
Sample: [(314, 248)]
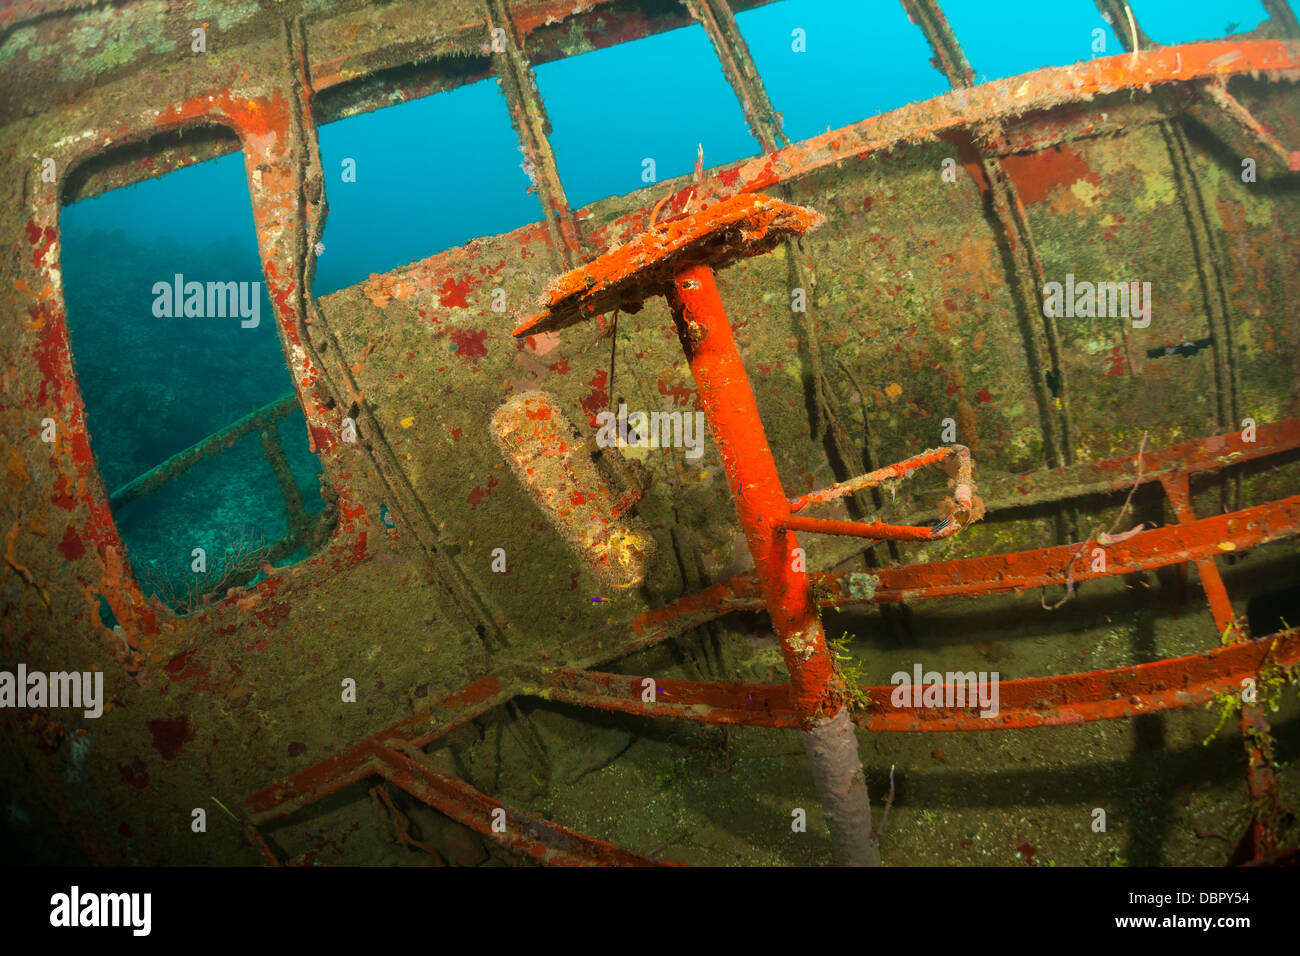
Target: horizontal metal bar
[(766, 706), (877, 530), (1091, 478), (524, 833), (1019, 571), (1034, 702), (349, 766), (1000, 100), (898, 470), (214, 444), (756, 705)]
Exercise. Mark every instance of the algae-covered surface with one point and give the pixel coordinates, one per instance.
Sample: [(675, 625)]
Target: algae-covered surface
[(1172, 789), (443, 599)]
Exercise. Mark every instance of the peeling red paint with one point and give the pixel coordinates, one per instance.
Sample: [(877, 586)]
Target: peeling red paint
[(183, 666), (469, 343), (273, 615), (597, 399), (1037, 174), (50, 352), (452, 294), (321, 438), (478, 494), (71, 545), (170, 736), (1117, 361), (134, 773), (680, 395)]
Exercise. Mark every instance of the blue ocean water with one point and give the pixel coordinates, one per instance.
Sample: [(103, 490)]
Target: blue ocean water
[(155, 385), (659, 98), (1170, 21), (1027, 34), (436, 172), (429, 174), (813, 56)]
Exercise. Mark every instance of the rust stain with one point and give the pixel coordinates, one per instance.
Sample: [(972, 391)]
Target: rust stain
[(1037, 174)]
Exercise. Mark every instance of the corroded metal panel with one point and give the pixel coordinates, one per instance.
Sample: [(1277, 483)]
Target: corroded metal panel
[(914, 313)]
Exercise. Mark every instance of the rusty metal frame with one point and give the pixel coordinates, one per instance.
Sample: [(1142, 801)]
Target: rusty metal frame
[(277, 139), (302, 531), (1008, 213), (1116, 693)]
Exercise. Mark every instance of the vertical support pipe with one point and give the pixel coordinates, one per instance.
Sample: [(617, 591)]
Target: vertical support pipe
[(1261, 779), (528, 113), (1025, 266), (297, 520), (815, 687)]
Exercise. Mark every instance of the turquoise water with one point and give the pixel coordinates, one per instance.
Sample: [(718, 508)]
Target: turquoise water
[(1169, 22), (154, 385), (411, 180), (1027, 34)]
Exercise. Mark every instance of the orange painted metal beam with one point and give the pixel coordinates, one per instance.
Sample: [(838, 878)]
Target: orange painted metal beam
[(1005, 99), (1117, 693), (519, 831), (356, 763), (1019, 571)]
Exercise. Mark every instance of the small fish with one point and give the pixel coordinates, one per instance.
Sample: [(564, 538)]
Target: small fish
[(1185, 348), (942, 526)]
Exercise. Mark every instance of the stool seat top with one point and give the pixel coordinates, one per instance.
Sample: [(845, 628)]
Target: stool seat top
[(737, 227)]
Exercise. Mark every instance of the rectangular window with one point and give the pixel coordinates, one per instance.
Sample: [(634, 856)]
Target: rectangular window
[(1170, 22), (1019, 36), (174, 342), (406, 182), (638, 113), (812, 56)]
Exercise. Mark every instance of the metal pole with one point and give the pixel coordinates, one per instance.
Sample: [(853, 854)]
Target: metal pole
[(761, 505)]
